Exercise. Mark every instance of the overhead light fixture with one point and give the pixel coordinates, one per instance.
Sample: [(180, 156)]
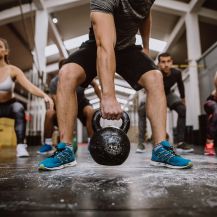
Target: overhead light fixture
[(55, 20)]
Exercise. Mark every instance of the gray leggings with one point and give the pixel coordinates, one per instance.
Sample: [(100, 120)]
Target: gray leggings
[(174, 103), (142, 122), (15, 110)]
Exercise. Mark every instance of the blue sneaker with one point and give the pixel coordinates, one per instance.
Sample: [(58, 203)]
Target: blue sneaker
[(46, 150), (63, 157), (164, 155)]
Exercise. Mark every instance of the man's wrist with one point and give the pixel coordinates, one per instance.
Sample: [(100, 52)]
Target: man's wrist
[(108, 95)]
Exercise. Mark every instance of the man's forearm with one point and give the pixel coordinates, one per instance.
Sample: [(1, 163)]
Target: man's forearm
[(106, 70), (145, 29)]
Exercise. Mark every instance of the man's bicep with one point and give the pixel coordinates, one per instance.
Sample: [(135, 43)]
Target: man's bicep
[(104, 28)]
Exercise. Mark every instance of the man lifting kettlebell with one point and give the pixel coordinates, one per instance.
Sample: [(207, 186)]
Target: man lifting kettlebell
[(111, 48)]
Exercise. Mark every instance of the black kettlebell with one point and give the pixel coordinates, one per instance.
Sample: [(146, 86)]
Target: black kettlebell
[(110, 145)]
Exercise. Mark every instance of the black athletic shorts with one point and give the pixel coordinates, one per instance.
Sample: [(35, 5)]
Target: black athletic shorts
[(82, 103), (131, 63)]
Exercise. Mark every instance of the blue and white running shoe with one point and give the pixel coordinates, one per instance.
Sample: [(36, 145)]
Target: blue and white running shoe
[(164, 155), (63, 157), (46, 150)]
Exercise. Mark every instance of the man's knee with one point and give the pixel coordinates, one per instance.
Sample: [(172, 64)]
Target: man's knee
[(158, 79), (71, 73), (153, 81), (65, 74)]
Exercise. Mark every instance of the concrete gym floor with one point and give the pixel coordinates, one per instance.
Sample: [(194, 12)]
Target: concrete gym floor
[(133, 189)]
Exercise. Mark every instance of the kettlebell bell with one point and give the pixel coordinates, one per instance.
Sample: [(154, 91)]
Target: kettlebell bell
[(110, 145)]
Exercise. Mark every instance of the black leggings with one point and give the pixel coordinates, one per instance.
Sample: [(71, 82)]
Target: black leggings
[(211, 109), (15, 110)]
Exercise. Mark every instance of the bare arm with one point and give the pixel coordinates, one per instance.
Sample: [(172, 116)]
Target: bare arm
[(96, 88), (145, 29), (25, 83), (105, 34)]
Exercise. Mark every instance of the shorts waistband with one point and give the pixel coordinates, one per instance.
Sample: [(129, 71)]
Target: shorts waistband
[(12, 100)]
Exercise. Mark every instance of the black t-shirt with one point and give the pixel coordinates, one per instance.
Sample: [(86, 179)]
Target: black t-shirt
[(173, 78), (128, 15)]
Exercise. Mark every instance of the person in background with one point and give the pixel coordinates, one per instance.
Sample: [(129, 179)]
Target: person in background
[(172, 76), (210, 107), (111, 48), (9, 107)]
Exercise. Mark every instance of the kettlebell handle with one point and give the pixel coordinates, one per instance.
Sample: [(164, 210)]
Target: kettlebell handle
[(97, 116)]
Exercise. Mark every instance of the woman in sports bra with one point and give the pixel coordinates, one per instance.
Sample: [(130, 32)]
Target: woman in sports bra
[(210, 108), (9, 107)]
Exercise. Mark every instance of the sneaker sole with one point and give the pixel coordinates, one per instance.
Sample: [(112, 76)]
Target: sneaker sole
[(140, 151), (71, 164), (159, 164), (208, 154), (46, 153), (23, 156), (182, 151)]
